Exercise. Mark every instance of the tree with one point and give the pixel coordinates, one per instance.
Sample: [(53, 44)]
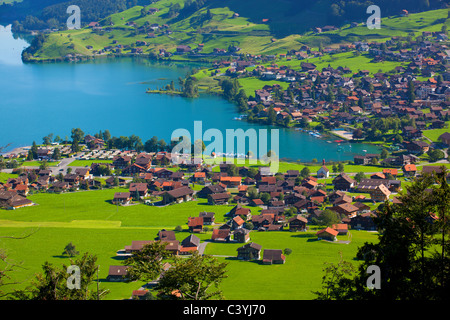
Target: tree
[(340, 167), (359, 176), (77, 135), (305, 172), (193, 278), (52, 283), (335, 275), (70, 250), (56, 154), (272, 116), (411, 92), (43, 165), (327, 218), (435, 155), (384, 153), (147, 264), (410, 255)]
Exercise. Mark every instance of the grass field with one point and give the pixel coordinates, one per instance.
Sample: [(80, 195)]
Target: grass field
[(93, 224), (84, 163)]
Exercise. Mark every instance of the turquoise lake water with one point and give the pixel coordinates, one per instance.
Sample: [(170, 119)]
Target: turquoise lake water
[(38, 99)]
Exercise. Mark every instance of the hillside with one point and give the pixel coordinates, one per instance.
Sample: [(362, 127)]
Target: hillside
[(205, 27)]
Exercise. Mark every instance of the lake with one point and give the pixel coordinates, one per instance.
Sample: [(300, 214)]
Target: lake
[(39, 99)]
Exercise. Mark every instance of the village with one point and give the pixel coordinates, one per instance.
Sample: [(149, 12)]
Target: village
[(262, 201)]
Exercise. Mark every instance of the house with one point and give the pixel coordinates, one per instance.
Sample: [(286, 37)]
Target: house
[(327, 234), (221, 235), (346, 208), (409, 170), (219, 198), (445, 138), (211, 189), (341, 228), (380, 193), (323, 172), (297, 223), (271, 256), (166, 235), (195, 224), (241, 235), (208, 217), (121, 162), (256, 202), (122, 198), (249, 251), (140, 294), (117, 273), (343, 182), (237, 222), (189, 244), (12, 200), (139, 188), (363, 221), (178, 195)]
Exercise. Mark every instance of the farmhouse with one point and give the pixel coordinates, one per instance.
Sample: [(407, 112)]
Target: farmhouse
[(195, 224), (249, 251), (122, 198), (241, 235), (178, 195), (343, 182), (380, 193), (271, 256), (208, 217), (327, 234), (323, 172), (189, 244), (297, 223), (221, 235), (117, 273)]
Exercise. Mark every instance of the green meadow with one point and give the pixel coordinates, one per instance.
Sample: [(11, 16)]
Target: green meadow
[(94, 225)]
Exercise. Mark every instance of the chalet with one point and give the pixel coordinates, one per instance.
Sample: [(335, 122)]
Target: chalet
[(297, 223), (166, 235), (346, 208), (380, 193), (308, 66), (117, 273), (211, 189), (341, 228), (263, 220), (327, 234), (417, 147), (241, 235), (271, 256), (84, 173), (409, 170), (12, 200), (189, 244), (122, 198), (195, 224), (237, 222), (363, 221), (249, 251), (139, 188), (178, 195), (231, 181), (343, 182), (445, 138), (221, 235), (121, 162), (219, 198), (183, 49), (110, 181), (142, 294), (240, 211), (208, 217)]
